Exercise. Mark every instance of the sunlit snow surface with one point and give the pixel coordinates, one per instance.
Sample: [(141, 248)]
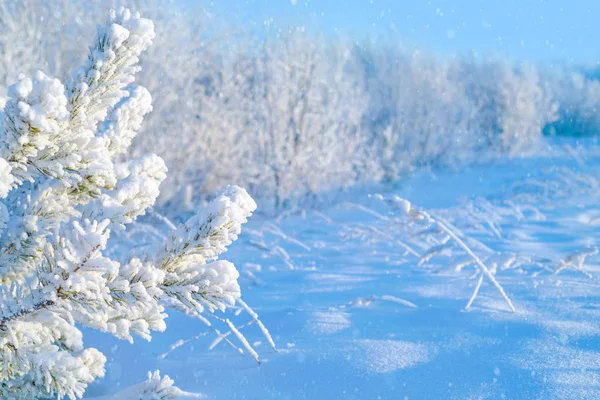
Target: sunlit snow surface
[(343, 317)]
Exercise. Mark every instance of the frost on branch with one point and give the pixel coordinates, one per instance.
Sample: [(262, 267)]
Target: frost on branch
[(65, 188), (429, 236)]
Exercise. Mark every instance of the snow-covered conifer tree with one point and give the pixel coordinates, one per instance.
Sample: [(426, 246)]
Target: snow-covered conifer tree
[(64, 191)]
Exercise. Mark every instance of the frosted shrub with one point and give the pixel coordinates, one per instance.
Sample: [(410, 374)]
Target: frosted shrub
[(286, 115), (298, 118), (511, 105), (430, 112), (417, 111), (48, 39), (578, 94), (64, 191)]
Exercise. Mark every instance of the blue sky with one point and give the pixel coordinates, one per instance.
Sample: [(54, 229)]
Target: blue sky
[(534, 30)]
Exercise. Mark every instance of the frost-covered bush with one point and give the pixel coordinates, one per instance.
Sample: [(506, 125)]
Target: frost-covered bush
[(425, 111), (39, 34), (578, 94), (512, 105), (417, 113), (294, 118), (64, 190), (314, 117), (286, 115)]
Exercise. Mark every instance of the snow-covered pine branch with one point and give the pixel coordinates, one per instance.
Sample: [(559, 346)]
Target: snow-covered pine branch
[(64, 190), (195, 279)]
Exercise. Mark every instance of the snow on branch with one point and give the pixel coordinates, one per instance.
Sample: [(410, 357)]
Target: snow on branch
[(65, 190)]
